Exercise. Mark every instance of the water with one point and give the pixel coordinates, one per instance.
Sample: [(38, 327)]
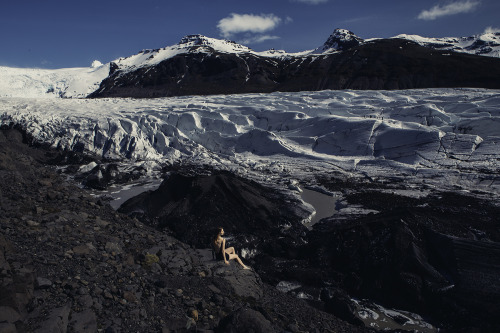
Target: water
[(121, 193), (323, 204)]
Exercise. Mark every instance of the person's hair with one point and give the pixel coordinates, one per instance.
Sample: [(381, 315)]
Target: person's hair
[(218, 231)]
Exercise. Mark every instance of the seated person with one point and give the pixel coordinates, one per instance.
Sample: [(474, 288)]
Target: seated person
[(219, 245)]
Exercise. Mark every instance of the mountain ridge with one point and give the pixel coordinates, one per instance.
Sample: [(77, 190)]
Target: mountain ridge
[(202, 65), (375, 64)]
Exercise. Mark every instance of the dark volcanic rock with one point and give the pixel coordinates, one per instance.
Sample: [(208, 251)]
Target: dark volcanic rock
[(379, 64), (192, 207), (245, 320), (194, 74), (398, 259), (69, 264)]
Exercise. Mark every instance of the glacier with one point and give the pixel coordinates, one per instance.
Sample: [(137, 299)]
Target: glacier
[(76, 82), (442, 138)]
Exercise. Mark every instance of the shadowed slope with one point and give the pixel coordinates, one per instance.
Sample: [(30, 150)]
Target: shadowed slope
[(193, 207)]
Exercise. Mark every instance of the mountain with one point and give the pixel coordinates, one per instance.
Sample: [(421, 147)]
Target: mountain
[(339, 40), (199, 65), (486, 44)]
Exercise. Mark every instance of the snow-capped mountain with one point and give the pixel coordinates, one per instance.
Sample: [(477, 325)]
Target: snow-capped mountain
[(486, 44), (188, 45), (202, 65), (339, 40), (195, 44)]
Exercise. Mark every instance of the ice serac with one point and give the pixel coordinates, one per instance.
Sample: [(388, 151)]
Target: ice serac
[(339, 40)]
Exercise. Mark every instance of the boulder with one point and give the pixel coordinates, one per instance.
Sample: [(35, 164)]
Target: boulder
[(57, 321), (84, 321), (244, 283), (245, 320)]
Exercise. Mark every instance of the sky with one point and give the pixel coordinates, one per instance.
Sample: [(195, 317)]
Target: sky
[(73, 33)]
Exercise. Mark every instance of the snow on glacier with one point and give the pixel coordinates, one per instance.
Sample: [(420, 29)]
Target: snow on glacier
[(52, 83), (442, 137)]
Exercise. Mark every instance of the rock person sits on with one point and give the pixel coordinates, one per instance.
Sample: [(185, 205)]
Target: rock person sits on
[(219, 245)]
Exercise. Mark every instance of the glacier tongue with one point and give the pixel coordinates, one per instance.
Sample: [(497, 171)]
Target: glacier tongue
[(52, 83), (447, 137)]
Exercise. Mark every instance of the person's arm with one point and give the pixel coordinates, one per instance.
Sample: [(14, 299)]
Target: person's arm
[(224, 250)]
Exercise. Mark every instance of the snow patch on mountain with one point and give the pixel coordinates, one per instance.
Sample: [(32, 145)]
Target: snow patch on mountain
[(193, 44), (188, 44), (486, 44)]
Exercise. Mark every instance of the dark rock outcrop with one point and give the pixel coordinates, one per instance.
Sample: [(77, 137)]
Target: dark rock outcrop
[(245, 320), (402, 258), (192, 207)]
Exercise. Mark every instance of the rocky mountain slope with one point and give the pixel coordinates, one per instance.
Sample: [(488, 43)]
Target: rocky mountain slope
[(70, 263)]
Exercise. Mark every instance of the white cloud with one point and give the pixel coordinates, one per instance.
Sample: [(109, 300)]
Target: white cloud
[(311, 2), (237, 23), (491, 30), (257, 39), (451, 8)]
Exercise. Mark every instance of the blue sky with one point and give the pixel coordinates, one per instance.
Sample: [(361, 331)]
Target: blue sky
[(72, 33)]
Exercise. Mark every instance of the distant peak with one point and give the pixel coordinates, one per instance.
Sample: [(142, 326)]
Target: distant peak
[(194, 39), (485, 44), (340, 39), (214, 43), (344, 32)]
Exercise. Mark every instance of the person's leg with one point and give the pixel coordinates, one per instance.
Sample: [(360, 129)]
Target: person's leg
[(237, 258), (241, 263)]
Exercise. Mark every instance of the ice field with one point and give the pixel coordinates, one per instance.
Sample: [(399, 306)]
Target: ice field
[(444, 138)]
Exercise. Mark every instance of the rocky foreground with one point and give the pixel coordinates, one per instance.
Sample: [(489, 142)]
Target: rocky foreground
[(70, 263)]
